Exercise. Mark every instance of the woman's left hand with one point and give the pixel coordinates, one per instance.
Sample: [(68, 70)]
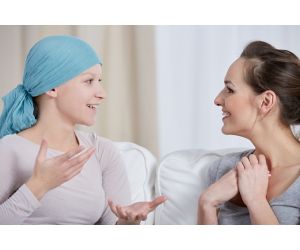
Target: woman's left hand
[(253, 178), (136, 212)]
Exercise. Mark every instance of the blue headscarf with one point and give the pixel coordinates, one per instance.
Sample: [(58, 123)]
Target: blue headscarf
[(51, 62)]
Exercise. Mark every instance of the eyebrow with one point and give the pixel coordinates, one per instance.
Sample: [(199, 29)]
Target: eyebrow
[(90, 74), (228, 82)]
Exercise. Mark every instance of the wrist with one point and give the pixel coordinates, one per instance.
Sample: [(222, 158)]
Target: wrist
[(257, 204), (127, 222), (121, 222), (207, 212), (207, 201), (36, 187)]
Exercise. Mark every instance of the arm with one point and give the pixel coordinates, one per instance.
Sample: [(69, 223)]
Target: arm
[(216, 194), (114, 178), (253, 181), (207, 213), (16, 200), (17, 206), (261, 213)]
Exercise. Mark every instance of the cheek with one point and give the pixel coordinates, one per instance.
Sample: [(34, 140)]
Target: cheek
[(246, 113), (241, 107), (70, 103)]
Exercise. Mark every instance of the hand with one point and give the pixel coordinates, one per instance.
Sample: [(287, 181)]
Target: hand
[(253, 178), (221, 191), (136, 212), (50, 173)]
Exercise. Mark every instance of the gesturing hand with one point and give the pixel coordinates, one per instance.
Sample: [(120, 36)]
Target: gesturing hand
[(136, 212), (50, 173), (253, 178)]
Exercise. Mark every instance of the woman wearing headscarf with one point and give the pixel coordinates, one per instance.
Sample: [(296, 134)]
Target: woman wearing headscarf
[(51, 173)]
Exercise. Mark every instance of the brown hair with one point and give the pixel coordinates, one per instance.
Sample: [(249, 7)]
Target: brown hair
[(268, 68)]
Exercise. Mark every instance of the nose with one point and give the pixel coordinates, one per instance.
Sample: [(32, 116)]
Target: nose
[(100, 93), (218, 100)]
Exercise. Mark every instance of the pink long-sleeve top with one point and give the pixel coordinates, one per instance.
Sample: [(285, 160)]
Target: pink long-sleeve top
[(81, 200)]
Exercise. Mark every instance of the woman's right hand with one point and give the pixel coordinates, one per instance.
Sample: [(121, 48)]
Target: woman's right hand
[(221, 191), (50, 173)]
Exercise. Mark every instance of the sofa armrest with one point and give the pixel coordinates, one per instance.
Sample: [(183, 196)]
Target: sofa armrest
[(141, 166)]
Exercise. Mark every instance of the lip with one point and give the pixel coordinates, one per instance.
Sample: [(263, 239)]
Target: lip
[(225, 114), (92, 107)]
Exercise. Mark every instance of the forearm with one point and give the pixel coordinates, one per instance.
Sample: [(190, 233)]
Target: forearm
[(261, 213), (18, 206), (207, 212)]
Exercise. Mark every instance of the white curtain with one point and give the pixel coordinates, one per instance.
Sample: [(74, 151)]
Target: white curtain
[(191, 63)]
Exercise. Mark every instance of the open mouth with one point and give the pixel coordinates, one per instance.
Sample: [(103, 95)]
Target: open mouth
[(225, 115), (91, 106)]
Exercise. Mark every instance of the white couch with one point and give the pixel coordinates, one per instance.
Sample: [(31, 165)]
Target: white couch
[(180, 176)]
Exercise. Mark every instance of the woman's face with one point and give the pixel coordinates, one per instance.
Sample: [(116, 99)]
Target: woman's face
[(238, 102), (77, 100)]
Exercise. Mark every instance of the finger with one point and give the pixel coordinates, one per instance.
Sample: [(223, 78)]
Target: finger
[(138, 219), (253, 160), (72, 173), (144, 217), (74, 168), (240, 168), (245, 161), (113, 207), (156, 202), (131, 216), (41, 156), (80, 159), (70, 154), (121, 213), (262, 160)]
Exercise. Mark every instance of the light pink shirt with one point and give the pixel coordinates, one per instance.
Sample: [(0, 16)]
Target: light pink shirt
[(81, 200)]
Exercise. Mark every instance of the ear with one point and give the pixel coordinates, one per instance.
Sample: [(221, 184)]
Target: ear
[(268, 100), (52, 93)]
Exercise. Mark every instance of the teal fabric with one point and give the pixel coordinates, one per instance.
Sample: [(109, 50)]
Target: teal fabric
[(51, 62)]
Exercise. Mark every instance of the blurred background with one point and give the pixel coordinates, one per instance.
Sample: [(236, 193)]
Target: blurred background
[(161, 81)]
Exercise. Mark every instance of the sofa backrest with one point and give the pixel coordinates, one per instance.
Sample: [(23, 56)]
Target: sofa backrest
[(181, 176)]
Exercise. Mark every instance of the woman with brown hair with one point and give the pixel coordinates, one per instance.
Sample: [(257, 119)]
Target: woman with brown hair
[(261, 102)]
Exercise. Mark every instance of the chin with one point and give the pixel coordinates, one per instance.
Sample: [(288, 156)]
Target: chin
[(226, 131), (87, 123)]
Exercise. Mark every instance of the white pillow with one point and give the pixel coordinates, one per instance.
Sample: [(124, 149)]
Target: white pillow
[(141, 167), (181, 177)]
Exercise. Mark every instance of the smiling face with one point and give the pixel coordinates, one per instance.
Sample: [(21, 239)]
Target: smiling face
[(238, 101), (77, 100)]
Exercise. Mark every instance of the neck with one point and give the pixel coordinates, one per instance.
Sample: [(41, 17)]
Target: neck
[(58, 133), (278, 144)]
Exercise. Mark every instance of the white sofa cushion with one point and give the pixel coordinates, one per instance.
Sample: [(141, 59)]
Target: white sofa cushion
[(141, 168), (181, 176)]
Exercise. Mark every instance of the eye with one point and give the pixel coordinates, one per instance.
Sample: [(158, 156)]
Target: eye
[(99, 80), (229, 90), (89, 81)]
